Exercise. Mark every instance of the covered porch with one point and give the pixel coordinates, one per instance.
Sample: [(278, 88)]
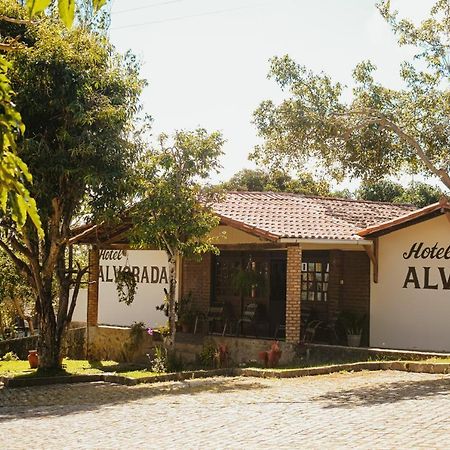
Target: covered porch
[(282, 292)]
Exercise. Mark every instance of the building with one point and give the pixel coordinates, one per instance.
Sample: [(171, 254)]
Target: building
[(305, 259)]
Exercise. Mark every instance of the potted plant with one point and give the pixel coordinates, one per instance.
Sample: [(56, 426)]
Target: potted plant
[(186, 320), (353, 324)]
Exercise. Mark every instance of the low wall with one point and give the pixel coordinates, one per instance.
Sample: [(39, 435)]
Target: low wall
[(112, 343), (73, 347), (241, 350), (343, 353)]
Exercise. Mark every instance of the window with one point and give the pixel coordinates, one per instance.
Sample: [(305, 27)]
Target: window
[(315, 276)]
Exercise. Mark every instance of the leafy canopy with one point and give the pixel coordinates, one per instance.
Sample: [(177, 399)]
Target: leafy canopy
[(175, 212), (15, 197), (276, 181), (66, 8), (380, 131)]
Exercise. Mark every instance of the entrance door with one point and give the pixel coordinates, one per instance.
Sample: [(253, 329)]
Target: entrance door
[(277, 303)]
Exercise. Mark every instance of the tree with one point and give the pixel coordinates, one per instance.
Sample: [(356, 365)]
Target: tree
[(379, 132), (420, 194), (416, 193), (380, 191), (175, 213), (14, 173), (276, 181), (79, 99), (16, 295)]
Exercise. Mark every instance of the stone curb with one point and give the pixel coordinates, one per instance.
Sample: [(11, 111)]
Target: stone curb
[(405, 366), (16, 382)]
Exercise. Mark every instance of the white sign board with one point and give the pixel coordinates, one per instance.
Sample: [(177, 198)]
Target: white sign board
[(150, 268), (410, 304)]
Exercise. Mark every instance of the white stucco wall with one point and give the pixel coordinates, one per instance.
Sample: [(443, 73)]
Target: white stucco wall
[(410, 313), (80, 311), (151, 270)]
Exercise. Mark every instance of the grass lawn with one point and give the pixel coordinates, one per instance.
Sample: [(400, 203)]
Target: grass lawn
[(84, 367), (71, 367)]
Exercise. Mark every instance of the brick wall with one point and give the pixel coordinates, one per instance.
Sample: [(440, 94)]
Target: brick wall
[(353, 268), (92, 308), (293, 293), (196, 278), (356, 288)]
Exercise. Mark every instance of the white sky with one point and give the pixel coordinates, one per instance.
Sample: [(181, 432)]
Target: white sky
[(207, 60)]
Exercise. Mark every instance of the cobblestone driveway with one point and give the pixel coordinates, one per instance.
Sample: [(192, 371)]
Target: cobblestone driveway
[(367, 409)]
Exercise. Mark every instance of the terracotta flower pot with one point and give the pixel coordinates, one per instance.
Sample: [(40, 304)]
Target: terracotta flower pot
[(33, 359)]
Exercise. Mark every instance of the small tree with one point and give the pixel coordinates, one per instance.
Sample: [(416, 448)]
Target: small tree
[(380, 131), (175, 214)]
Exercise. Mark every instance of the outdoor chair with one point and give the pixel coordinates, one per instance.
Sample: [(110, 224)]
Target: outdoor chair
[(249, 316), (310, 330), (215, 314)]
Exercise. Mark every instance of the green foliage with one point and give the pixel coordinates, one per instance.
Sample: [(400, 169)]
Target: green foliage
[(158, 362), (80, 101), (416, 193), (66, 8), (208, 354), (352, 322), (381, 191), (379, 132), (420, 194), (15, 198), (247, 278), (175, 212), (37, 6), (126, 286), (135, 340), (10, 356), (276, 181)]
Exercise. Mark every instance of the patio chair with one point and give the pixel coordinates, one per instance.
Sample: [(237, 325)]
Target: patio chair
[(310, 330), (249, 316), (214, 314)]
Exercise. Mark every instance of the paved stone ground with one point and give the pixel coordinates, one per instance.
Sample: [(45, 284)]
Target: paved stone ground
[(364, 410)]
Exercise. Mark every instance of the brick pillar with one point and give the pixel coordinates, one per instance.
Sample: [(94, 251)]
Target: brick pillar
[(293, 293), (92, 306)]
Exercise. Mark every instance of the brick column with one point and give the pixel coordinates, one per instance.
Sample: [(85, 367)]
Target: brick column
[(293, 293), (92, 306)]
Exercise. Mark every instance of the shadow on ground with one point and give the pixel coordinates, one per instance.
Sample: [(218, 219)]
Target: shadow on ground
[(57, 400), (378, 394)]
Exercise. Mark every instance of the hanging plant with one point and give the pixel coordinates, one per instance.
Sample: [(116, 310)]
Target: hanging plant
[(244, 280), (126, 286)]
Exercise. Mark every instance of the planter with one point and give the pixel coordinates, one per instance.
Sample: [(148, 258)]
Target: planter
[(33, 359), (353, 340), (186, 327)]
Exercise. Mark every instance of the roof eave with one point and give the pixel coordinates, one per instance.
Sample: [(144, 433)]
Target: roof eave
[(355, 242), (420, 215)]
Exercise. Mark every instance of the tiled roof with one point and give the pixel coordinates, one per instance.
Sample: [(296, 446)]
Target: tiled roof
[(284, 215), (441, 207)]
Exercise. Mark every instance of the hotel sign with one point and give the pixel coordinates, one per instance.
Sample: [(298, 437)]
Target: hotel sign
[(424, 274), (150, 269)]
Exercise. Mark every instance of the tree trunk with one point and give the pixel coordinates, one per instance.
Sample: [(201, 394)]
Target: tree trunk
[(172, 309), (49, 343)]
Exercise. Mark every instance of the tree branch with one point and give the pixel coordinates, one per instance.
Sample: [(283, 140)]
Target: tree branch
[(21, 265), (17, 21), (374, 116)]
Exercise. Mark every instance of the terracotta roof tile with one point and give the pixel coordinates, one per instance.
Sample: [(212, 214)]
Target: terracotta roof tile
[(285, 215)]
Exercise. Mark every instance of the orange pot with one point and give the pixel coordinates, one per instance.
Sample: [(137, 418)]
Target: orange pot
[(33, 359)]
